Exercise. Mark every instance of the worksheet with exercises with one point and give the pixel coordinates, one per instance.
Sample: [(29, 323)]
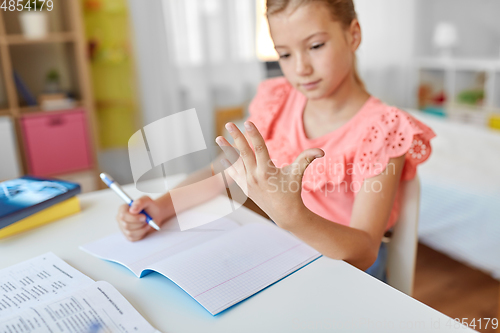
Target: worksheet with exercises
[(45, 294)]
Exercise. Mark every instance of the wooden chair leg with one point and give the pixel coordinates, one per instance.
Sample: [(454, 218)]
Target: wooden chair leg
[(498, 316)]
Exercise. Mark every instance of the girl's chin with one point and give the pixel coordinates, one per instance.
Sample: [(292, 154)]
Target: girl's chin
[(313, 94)]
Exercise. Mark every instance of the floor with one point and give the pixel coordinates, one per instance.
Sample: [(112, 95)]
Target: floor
[(456, 290)]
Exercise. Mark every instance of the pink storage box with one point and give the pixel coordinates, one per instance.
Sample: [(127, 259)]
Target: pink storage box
[(56, 142)]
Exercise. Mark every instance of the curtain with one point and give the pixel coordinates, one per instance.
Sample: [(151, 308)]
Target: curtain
[(194, 54), (385, 57)]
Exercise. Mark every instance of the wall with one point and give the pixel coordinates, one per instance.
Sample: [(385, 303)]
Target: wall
[(387, 47), (476, 20)]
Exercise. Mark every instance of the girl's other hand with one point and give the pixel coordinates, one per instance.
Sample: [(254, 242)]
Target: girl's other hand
[(267, 185), (133, 224)]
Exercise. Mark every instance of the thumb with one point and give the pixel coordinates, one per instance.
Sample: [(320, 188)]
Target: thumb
[(305, 158), (139, 205)]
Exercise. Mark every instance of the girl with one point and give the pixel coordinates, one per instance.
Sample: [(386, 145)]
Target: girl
[(323, 158)]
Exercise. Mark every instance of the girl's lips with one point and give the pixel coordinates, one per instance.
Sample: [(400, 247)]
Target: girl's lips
[(310, 85)]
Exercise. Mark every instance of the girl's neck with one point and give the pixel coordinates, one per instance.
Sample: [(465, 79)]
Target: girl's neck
[(325, 115), (343, 103)]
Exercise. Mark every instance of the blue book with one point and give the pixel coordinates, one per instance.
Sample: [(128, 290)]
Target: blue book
[(22, 197)]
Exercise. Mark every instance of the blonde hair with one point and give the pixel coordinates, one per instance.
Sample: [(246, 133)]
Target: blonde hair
[(341, 10)]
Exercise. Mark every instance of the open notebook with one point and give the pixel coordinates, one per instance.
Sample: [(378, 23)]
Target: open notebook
[(45, 294), (218, 264)]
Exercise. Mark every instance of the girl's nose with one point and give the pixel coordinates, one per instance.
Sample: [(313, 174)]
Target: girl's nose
[(303, 66)]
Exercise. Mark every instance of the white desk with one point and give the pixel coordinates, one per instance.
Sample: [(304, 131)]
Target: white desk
[(324, 296)]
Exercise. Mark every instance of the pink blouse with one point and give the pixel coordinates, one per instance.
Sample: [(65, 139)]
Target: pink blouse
[(359, 149)]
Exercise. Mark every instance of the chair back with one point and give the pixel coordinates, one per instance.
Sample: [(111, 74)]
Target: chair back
[(402, 248)]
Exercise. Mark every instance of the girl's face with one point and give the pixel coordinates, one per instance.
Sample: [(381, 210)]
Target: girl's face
[(316, 52)]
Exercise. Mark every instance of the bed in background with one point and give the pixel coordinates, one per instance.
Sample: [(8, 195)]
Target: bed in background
[(460, 194)]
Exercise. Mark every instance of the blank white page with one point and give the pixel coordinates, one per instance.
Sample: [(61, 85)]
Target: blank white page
[(141, 255), (236, 265)]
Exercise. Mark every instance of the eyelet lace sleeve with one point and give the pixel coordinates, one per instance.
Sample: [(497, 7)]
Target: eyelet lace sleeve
[(392, 134), (267, 104)]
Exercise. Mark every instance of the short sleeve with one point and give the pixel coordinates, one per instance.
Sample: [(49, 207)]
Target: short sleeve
[(268, 103), (391, 134)]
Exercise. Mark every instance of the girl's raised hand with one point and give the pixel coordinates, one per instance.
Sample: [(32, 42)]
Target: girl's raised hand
[(268, 186)]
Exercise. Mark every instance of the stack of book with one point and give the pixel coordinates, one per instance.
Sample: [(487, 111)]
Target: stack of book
[(29, 202), (53, 102)]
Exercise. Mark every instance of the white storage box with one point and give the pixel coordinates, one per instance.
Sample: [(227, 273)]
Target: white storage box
[(9, 165)]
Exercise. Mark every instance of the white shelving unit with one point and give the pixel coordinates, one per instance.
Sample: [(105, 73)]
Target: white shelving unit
[(64, 48), (456, 75)]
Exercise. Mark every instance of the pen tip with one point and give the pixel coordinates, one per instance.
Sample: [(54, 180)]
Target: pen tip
[(154, 225)]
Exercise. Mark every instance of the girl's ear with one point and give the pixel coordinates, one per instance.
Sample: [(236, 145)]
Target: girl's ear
[(355, 32)]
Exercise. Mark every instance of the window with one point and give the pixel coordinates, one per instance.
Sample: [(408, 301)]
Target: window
[(264, 44)]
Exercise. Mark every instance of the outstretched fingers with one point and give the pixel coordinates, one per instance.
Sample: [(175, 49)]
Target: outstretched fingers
[(239, 178), (241, 143), (232, 156), (259, 145), (229, 151)]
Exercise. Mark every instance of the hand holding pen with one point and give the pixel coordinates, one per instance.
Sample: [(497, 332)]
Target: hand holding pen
[(134, 222)]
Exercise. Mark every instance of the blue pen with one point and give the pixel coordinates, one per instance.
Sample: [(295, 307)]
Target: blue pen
[(110, 182)]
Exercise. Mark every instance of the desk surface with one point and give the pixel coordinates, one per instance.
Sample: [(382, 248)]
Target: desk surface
[(325, 295)]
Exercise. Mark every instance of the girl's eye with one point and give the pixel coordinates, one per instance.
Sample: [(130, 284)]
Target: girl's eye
[(317, 46), (284, 56)]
